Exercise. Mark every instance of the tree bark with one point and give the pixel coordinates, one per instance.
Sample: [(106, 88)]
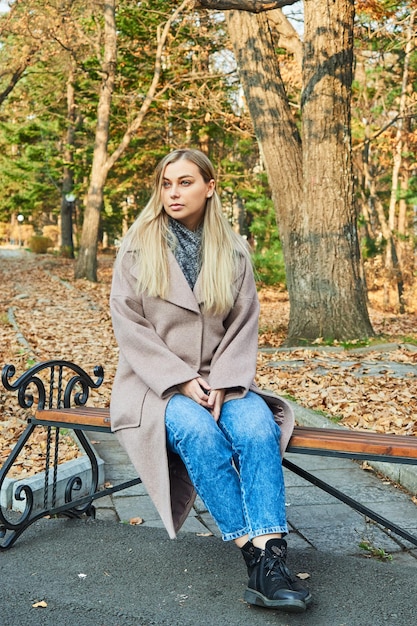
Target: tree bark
[(312, 188), (274, 125), (252, 6), (329, 298), (87, 258), (288, 37)]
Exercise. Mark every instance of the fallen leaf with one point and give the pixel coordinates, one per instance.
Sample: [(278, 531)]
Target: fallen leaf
[(135, 521), (303, 575), (40, 605)]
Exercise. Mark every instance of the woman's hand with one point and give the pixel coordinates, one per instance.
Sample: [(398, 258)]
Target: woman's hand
[(215, 402), (197, 389), (200, 391)]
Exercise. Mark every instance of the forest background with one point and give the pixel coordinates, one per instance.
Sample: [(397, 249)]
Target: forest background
[(309, 120)]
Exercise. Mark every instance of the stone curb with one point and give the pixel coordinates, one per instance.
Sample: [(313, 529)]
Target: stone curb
[(80, 467), (401, 473)]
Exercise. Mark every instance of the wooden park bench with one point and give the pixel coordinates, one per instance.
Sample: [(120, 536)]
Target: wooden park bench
[(55, 394)]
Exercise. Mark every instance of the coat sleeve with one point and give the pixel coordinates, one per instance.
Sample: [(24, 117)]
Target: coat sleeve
[(140, 346), (234, 363)]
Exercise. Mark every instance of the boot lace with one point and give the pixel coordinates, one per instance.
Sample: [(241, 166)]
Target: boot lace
[(276, 568)]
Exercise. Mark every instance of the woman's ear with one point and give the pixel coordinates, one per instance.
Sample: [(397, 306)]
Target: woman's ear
[(211, 187)]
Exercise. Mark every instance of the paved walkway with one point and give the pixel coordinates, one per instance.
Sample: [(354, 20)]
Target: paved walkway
[(109, 573)]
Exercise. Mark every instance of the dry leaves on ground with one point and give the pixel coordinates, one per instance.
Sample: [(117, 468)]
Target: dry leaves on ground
[(46, 314), (328, 380)]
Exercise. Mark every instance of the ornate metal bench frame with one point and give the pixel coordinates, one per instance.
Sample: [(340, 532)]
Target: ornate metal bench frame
[(47, 386)]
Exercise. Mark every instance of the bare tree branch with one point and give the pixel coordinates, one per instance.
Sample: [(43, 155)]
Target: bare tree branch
[(251, 6), (136, 123), (16, 76)]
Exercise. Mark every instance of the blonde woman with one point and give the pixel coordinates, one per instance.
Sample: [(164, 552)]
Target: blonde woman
[(184, 404)]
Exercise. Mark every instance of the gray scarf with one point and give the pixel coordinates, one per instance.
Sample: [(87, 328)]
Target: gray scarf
[(186, 246)]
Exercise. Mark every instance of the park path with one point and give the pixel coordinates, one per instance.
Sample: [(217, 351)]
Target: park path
[(46, 314)]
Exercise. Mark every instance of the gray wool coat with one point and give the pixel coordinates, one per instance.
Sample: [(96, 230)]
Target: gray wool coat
[(163, 343)]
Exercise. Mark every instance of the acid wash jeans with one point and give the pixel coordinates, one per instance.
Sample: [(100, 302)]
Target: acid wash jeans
[(234, 464)]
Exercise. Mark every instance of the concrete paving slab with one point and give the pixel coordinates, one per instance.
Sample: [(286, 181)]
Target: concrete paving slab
[(135, 506), (321, 515)]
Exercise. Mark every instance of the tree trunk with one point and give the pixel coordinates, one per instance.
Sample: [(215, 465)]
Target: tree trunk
[(312, 189), (67, 206), (102, 161), (87, 258), (329, 298), (392, 262), (274, 125)]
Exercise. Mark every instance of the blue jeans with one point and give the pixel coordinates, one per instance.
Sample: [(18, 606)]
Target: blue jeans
[(234, 464)]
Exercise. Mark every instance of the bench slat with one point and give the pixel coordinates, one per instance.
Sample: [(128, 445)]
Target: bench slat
[(326, 439), (78, 416), (337, 439)]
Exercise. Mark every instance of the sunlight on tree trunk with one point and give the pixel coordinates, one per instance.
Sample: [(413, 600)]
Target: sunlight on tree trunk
[(87, 258), (312, 188), (329, 300)]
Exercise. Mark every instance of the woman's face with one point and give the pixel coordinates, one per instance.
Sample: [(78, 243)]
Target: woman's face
[(184, 193)]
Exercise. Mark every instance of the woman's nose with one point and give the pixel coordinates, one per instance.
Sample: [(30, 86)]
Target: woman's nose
[(174, 190)]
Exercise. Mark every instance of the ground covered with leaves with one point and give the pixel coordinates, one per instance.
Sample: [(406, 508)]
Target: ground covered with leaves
[(46, 314)]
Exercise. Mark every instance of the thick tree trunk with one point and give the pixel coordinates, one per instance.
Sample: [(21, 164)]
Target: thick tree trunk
[(87, 258), (274, 125), (328, 299), (312, 189)]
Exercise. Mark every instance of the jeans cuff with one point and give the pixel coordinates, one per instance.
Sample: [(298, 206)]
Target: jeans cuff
[(235, 535), (272, 530)]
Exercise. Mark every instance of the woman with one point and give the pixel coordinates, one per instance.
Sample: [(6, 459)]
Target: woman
[(184, 404)]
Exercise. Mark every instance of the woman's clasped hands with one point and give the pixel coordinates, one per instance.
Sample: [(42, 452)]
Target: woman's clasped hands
[(200, 391)]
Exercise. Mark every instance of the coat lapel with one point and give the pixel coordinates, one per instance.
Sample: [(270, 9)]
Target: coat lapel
[(180, 292)]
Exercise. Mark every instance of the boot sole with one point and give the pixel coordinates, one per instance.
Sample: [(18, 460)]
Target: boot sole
[(292, 606)]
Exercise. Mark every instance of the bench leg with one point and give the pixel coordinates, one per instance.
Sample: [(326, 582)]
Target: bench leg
[(349, 501), (9, 530), (14, 523)]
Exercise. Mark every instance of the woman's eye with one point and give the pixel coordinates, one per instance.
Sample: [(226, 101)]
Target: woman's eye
[(165, 184), (186, 183)]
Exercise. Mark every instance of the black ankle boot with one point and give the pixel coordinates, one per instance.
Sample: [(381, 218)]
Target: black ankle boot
[(251, 555), (271, 584)]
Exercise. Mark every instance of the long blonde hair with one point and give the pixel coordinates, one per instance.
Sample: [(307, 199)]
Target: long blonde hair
[(221, 246)]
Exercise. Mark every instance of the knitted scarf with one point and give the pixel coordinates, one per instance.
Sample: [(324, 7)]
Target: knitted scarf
[(186, 246)]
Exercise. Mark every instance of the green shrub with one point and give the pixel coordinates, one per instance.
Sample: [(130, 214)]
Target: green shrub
[(39, 244)]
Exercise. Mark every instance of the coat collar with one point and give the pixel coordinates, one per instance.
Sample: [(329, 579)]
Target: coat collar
[(180, 292)]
